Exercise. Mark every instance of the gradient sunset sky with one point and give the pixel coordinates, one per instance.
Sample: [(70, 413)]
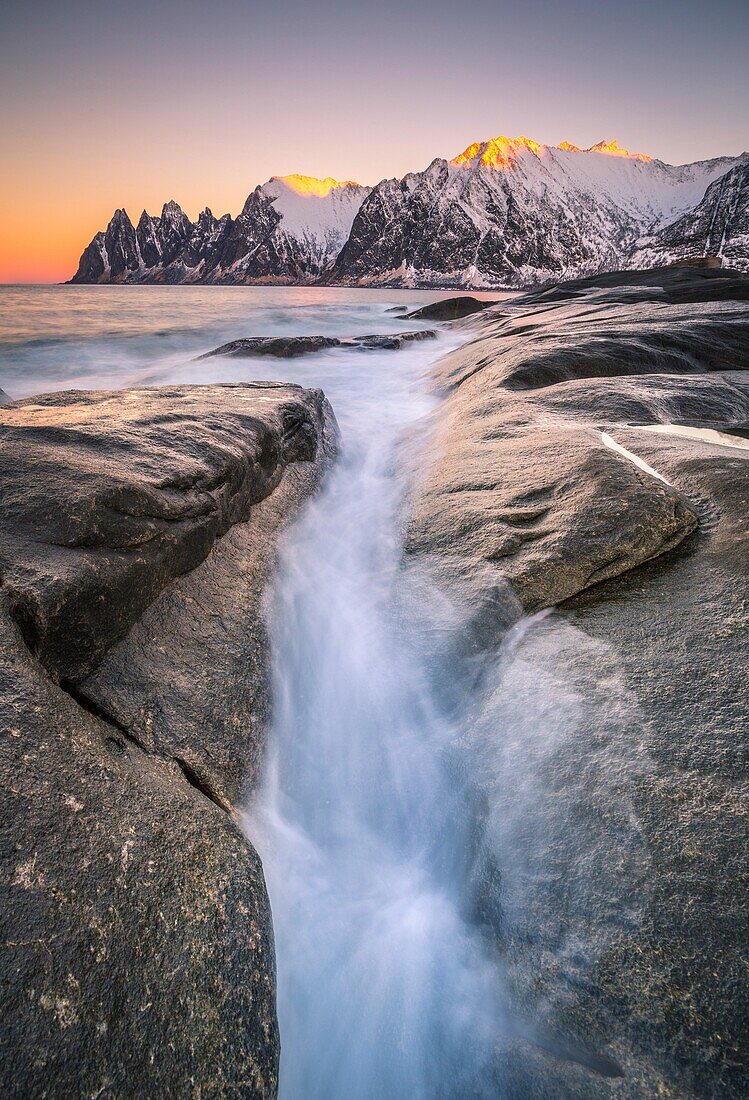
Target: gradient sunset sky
[(110, 104)]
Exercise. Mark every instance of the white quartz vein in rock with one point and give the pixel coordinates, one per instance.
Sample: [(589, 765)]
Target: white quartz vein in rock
[(640, 462)]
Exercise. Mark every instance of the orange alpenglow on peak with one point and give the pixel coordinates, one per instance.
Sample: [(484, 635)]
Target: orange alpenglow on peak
[(501, 152), (308, 186), (498, 152)]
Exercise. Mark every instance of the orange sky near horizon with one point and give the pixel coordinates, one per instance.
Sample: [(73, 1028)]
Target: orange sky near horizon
[(108, 105)]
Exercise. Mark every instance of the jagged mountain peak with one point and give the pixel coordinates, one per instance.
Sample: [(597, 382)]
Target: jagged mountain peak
[(120, 217), (614, 149), (172, 210), (502, 152)]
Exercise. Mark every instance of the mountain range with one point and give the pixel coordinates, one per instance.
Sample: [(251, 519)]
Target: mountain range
[(505, 212)]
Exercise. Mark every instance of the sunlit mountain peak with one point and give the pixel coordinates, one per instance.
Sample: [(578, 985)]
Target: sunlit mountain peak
[(502, 152), (498, 152), (308, 186)]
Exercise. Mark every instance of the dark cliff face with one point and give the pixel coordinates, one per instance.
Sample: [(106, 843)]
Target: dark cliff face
[(111, 255), (248, 249), (440, 228), (121, 246)]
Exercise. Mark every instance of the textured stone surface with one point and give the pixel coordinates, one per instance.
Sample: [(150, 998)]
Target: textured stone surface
[(137, 943), (108, 496), (607, 739), (449, 309), (138, 949)]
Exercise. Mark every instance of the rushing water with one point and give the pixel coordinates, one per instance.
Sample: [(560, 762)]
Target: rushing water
[(384, 989)]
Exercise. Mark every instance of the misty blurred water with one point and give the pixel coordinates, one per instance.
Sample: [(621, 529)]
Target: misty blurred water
[(94, 337)]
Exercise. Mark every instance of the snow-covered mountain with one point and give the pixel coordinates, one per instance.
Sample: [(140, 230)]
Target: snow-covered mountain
[(717, 226), (505, 212), (512, 212), (290, 230)]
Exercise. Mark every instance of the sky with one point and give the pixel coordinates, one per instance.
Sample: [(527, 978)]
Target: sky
[(107, 103)]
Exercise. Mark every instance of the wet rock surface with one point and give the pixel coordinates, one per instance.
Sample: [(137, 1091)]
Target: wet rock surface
[(449, 309), (138, 947), (608, 736), (290, 347)]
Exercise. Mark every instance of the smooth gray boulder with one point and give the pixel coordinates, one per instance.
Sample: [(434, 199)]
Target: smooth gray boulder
[(139, 533), (108, 496), (698, 281)]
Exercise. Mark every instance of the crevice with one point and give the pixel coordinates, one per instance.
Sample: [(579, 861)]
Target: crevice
[(193, 778), (199, 783), (92, 707), (577, 1054)]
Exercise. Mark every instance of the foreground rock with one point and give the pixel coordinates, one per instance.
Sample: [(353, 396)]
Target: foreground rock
[(137, 538), (291, 347), (592, 449)]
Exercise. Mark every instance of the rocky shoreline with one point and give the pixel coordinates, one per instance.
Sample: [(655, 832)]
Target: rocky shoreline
[(137, 537), (591, 455)]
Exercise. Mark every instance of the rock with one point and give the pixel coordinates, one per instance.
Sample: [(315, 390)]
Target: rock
[(138, 948), (110, 496), (3, 397), (289, 347), (449, 309), (279, 347), (163, 694), (138, 536), (589, 332), (679, 285), (699, 261), (566, 512), (604, 738)]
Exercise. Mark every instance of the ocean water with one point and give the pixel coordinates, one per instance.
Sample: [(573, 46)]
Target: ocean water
[(94, 337)]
